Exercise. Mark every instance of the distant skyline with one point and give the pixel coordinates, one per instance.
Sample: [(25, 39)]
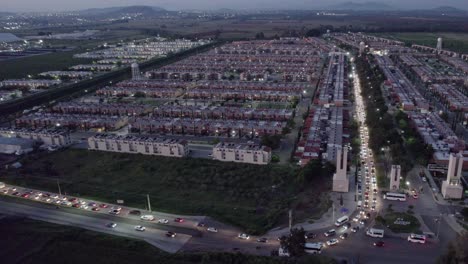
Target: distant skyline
[(71, 5)]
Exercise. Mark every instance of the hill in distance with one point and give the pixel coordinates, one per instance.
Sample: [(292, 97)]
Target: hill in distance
[(110, 11), (367, 6)]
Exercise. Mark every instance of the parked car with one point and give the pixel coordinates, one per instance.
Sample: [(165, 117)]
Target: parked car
[(344, 236), (355, 229)]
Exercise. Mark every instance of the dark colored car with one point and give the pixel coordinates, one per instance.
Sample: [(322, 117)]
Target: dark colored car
[(262, 240), (379, 243), (179, 220), (310, 236), (331, 232), (170, 234), (111, 225), (201, 224), (135, 212)]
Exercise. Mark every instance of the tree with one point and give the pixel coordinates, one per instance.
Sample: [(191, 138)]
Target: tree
[(139, 94), (313, 32), (294, 243), (272, 141), (260, 35), (464, 212), (457, 251)]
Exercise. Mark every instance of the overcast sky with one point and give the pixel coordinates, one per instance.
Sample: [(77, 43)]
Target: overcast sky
[(59, 5)]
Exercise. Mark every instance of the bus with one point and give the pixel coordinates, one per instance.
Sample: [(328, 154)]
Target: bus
[(313, 248), (373, 232), (395, 196), (342, 220), (417, 238)]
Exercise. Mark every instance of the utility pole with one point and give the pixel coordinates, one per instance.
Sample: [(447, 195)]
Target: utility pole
[(149, 204), (438, 225), (58, 184), (290, 220), (333, 209)]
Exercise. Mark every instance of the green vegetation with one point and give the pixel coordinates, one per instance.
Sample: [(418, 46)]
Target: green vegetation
[(272, 141), (27, 241), (294, 243), (457, 251), (457, 42), (22, 67), (390, 136), (391, 218), (249, 196)]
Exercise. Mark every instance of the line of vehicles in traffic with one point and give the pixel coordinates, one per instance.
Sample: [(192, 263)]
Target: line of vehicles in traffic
[(73, 202)]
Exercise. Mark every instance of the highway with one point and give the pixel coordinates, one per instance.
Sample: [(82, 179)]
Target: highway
[(154, 236)]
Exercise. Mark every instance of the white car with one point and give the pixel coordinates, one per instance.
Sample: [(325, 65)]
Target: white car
[(243, 236), (114, 212), (140, 228), (163, 221), (332, 242), (212, 229)]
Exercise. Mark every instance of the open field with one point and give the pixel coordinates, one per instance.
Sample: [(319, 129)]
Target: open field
[(250, 196), (457, 42), (22, 67), (26, 241), (228, 28)]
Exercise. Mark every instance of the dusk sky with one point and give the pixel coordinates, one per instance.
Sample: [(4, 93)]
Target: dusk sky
[(60, 5)]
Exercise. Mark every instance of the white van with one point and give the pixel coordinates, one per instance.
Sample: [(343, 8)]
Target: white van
[(417, 238), (342, 220), (147, 218), (282, 252), (2, 185), (359, 205), (313, 248), (373, 232)]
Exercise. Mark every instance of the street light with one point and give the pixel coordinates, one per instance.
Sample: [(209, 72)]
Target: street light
[(407, 183)]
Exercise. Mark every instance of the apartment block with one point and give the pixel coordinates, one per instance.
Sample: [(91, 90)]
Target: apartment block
[(47, 136), (243, 153), (139, 145)]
